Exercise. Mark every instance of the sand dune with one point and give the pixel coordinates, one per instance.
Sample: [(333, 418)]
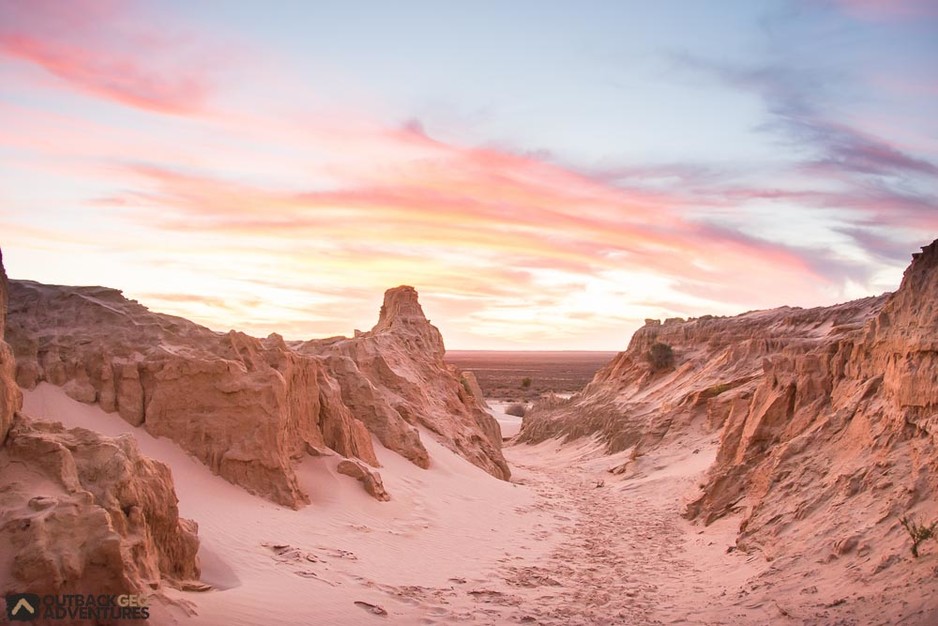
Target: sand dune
[(429, 554)]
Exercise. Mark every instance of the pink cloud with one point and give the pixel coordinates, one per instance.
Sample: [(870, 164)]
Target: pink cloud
[(98, 50), (479, 203), (876, 10)]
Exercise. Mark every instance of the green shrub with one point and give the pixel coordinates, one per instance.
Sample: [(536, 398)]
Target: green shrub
[(525, 382), (660, 356), (517, 409), (918, 532)]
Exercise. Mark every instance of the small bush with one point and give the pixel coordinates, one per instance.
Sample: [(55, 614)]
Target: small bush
[(525, 382), (517, 409), (661, 356), (918, 532), (465, 386)]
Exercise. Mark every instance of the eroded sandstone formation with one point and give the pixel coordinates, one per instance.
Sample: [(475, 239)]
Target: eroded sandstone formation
[(394, 377), (848, 425), (369, 478), (250, 408), (826, 418), (80, 511), (718, 364), (10, 397)]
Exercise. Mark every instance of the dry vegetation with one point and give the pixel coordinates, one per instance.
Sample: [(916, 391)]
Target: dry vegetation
[(526, 376)]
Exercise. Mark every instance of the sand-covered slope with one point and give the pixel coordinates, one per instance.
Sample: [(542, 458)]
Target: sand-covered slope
[(428, 556), (251, 408)]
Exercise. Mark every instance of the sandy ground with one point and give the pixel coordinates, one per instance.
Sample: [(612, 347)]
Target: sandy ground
[(566, 542), (511, 424)]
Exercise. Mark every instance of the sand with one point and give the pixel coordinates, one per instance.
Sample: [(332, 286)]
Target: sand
[(510, 424), (430, 555), (566, 542)]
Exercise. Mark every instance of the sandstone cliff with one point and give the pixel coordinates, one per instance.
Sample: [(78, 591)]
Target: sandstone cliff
[(82, 512), (825, 419), (718, 364), (10, 398), (394, 377), (846, 426), (250, 408)]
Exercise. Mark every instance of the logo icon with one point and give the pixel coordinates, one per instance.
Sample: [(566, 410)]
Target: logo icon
[(22, 607)]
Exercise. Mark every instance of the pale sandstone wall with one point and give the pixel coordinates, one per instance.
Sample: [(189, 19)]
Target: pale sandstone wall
[(250, 408), (80, 511), (827, 418)]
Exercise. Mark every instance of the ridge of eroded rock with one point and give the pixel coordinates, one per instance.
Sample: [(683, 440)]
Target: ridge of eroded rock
[(250, 408), (81, 511)]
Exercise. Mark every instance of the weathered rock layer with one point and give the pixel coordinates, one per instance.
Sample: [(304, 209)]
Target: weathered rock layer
[(85, 512), (395, 377), (10, 397), (80, 511), (848, 425), (827, 418), (718, 364), (250, 408)]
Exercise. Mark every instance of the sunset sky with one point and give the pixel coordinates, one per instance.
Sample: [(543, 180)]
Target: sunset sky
[(546, 174)]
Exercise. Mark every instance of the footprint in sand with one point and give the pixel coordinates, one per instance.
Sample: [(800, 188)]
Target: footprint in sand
[(374, 609)]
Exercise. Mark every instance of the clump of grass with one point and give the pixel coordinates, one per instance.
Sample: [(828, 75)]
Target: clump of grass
[(517, 409), (526, 382), (716, 390), (919, 532)]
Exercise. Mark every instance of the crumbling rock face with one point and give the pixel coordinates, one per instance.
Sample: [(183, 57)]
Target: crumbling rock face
[(82, 511), (79, 511), (847, 425), (826, 418), (250, 408), (718, 366), (395, 379), (10, 397), (245, 407)]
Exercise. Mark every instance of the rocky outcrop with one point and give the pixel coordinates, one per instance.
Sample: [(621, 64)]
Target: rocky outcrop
[(369, 478), (10, 397), (471, 385), (394, 377), (848, 425), (250, 408), (245, 407), (718, 364), (82, 512), (825, 419)]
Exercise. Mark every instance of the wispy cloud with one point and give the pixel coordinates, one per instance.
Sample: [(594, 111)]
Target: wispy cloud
[(791, 98), (470, 202), (97, 48), (878, 10), (867, 183), (294, 216)]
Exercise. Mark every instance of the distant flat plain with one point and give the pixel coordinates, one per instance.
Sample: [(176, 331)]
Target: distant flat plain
[(501, 373)]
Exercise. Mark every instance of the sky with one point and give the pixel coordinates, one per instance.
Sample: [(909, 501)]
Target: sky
[(546, 174)]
